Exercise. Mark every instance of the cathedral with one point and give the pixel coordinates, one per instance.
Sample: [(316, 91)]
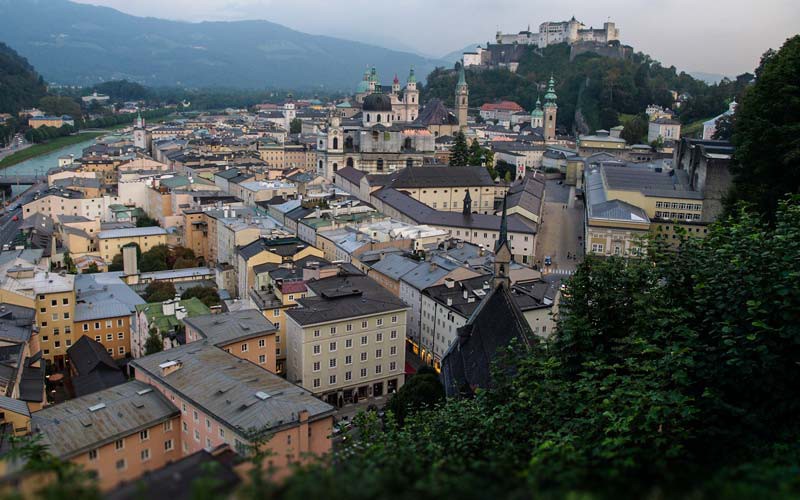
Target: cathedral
[(405, 102)]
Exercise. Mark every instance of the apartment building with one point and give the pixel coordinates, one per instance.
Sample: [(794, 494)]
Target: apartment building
[(110, 242), (264, 250), (246, 334), (228, 400), (117, 434), (57, 201), (346, 340), (107, 322)]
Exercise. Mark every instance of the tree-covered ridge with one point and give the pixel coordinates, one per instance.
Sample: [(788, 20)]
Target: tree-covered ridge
[(20, 86), (601, 88)]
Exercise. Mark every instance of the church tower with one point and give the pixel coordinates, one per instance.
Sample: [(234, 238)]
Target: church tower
[(462, 98), (502, 253), (550, 110), (141, 138), (467, 210), (289, 113), (537, 115), (411, 97)]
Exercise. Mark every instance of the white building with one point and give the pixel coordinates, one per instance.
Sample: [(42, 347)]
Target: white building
[(569, 32)]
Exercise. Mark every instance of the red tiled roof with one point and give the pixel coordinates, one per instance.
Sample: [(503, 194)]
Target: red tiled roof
[(501, 106), (293, 287)]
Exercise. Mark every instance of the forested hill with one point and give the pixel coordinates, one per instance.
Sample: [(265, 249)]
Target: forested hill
[(601, 88), (20, 85)]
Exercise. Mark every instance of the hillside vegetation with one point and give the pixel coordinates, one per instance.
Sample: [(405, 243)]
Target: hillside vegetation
[(599, 88)]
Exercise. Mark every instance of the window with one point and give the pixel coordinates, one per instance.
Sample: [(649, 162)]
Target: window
[(349, 327), (394, 319), (379, 337), (392, 366), (144, 435), (109, 336), (316, 366), (119, 444), (92, 455), (195, 416), (363, 324), (378, 369), (393, 334), (378, 353), (119, 322), (168, 426), (332, 347), (54, 302), (145, 455), (332, 363), (121, 350), (332, 379), (65, 301), (120, 464), (348, 360), (364, 340), (168, 445), (316, 333), (86, 327), (317, 349), (363, 372), (363, 356), (393, 350), (262, 358), (208, 424), (221, 433), (68, 329), (96, 325), (262, 342), (316, 382), (120, 336), (57, 344), (55, 316), (244, 347), (197, 435), (333, 330), (348, 343), (66, 315), (379, 321)]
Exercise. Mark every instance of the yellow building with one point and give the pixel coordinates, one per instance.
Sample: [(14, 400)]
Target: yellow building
[(263, 251), (110, 242)]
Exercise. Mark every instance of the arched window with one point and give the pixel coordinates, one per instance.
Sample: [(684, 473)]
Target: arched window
[(368, 117), (335, 143), (380, 163), (335, 167), (378, 118), (551, 117), (348, 143), (349, 162), (374, 135), (409, 162), (320, 164), (407, 143)]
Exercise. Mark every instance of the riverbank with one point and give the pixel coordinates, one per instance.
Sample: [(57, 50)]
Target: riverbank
[(47, 147)]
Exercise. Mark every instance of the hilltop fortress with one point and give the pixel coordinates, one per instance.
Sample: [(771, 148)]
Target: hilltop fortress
[(508, 47)]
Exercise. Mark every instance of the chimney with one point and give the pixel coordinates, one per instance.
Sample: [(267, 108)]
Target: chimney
[(180, 313), (449, 282), (449, 301), (169, 367), (466, 294), (130, 264), (168, 307)]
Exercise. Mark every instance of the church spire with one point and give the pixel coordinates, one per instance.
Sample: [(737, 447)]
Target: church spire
[(467, 210), (503, 236), (462, 77), (502, 253)]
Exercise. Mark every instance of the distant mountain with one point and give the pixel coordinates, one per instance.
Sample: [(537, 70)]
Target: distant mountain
[(83, 44), (20, 85), (709, 78)]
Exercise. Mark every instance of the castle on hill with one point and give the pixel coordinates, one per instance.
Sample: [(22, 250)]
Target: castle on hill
[(569, 32)]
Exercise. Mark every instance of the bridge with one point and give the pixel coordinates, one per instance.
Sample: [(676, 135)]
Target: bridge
[(18, 180)]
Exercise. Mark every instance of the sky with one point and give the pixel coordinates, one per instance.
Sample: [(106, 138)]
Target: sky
[(713, 36)]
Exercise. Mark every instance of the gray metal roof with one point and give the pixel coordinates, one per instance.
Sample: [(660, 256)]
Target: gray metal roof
[(666, 184), (132, 232), (395, 266), (424, 275), (14, 405), (101, 287), (102, 309), (341, 297), (442, 177), (225, 328), (226, 388), (82, 424)]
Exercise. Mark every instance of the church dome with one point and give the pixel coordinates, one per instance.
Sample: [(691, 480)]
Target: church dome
[(362, 87), (377, 102)]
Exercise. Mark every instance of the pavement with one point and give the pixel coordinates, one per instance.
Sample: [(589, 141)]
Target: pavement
[(561, 230), (15, 146), (9, 228)]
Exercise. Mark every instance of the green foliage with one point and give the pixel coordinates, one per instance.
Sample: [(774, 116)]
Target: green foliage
[(670, 376), (92, 269), (60, 105), (159, 291), (155, 259), (181, 258), (459, 153), (635, 131), (767, 159), (121, 90), (69, 264), (21, 86), (601, 88), (724, 128), (422, 391), (296, 126), (479, 156), (145, 221), (208, 295), (154, 342)]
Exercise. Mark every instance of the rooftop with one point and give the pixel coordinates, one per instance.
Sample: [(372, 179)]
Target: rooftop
[(132, 232), (226, 328), (233, 391)]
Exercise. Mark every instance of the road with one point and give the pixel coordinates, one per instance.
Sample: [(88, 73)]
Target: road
[(17, 144), (561, 231), (9, 228)]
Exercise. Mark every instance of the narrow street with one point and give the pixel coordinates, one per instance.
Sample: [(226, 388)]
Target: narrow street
[(561, 231)]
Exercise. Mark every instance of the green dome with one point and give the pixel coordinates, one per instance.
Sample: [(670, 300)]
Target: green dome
[(537, 113), (362, 87)]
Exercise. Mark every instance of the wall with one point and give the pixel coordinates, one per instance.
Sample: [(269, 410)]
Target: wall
[(117, 328)]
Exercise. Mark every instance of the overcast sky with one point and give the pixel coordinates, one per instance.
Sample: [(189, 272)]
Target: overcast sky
[(714, 36)]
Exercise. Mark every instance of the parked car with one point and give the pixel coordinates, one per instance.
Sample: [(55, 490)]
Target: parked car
[(548, 261), (15, 218)]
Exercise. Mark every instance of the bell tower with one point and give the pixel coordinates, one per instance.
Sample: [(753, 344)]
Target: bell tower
[(550, 111), (462, 98), (502, 252)]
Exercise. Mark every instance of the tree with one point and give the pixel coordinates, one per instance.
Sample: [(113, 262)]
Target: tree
[(60, 105), (117, 263), (459, 154), (155, 259), (159, 291), (92, 269), (422, 391), (69, 264), (635, 131), (296, 126), (766, 163), (181, 258), (724, 128), (208, 295), (154, 342), (145, 221)]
